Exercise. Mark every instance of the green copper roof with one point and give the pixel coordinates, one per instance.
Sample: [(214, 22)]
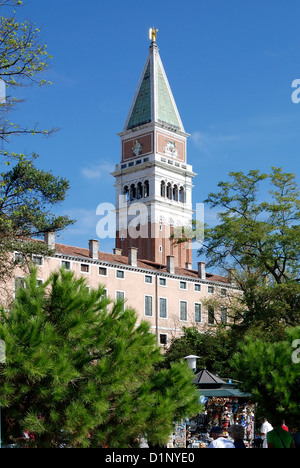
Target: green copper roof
[(166, 111), (141, 112), (153, 101)]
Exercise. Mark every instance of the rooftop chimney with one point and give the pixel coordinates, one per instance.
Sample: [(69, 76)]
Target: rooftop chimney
[(171, 264), (118, 251), (232, 276), (201, 270), (132, 256), (188, 266), (94, 249), (49, 238)]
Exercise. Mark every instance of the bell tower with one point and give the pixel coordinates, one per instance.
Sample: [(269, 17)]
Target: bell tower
[(153, 180)]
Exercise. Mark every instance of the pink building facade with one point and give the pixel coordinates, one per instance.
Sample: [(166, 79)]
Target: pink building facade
[(168, 297)]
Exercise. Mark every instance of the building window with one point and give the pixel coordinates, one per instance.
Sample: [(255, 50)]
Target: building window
[(163, 339), (84, 268), (66, 265), (224, 316), (175, 193), (223, 292), (182, 285), (120, 297), (197, 287), (210, 289), (148, 279), (102, 271), (211, 315), (104, 295), (160, 249), (38, 260), (126, 193), (163, 307), (140, 191), (120, 274), (104, 298), (20, 259), (132, 192), (146, 189), (162, 281), (181, 195), (183, 311), (19, 283), (148, 306), (198, 313), (169, 191)]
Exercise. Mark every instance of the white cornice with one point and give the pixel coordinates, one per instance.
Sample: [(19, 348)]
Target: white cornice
[(121, 266)]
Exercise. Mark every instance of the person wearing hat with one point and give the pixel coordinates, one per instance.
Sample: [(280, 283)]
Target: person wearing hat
[(219, 441)]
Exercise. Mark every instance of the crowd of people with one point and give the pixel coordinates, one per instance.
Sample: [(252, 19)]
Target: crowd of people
[(270, 437)]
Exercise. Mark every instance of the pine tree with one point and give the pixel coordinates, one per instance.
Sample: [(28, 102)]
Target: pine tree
[(271, 373), (80, 371)]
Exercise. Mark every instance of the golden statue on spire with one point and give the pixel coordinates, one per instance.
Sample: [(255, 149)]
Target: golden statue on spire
[(153, 34)]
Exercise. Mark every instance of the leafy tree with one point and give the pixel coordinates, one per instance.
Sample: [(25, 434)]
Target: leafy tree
[(80, 371), (271, 373), (257, 235), (27, 194), (214, 349), (23, 60), (258, 242)]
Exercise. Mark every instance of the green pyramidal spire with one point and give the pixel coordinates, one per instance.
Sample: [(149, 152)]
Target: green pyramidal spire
[(141, 112), (153, 100)]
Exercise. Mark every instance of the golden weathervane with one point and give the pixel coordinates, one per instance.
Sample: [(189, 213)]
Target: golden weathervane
[(153, 34)]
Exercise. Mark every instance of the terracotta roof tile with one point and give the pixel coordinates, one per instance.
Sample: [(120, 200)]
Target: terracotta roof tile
[(145, 264)]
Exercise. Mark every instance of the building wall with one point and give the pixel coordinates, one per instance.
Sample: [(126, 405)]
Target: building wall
[(136, 284)]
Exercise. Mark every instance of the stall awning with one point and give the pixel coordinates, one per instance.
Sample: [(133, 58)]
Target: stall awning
[(224, 393), (210, 385)]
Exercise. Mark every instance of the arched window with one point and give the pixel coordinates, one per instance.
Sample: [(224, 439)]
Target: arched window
[(126, 192), (175, 193), (181, 195), (169, 191), (146, 189), (140, 191), (163, 189), (132, 192)]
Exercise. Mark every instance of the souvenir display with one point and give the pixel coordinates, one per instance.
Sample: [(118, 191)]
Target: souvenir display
[(180, 435), (224, 412)]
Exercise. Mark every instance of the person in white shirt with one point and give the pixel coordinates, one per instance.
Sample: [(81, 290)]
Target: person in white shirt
[(219, 441), (265, 428)]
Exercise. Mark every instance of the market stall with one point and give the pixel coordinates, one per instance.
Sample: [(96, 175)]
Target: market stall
[(225, 405)]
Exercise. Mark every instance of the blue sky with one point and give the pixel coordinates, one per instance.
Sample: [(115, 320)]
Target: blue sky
[(230, 65)]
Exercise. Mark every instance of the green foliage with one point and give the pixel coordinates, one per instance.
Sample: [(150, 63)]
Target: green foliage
[(253, 235), (23, 58), (257, 239), (80, 371), (213, 348), (27, 194), (271, 372)]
